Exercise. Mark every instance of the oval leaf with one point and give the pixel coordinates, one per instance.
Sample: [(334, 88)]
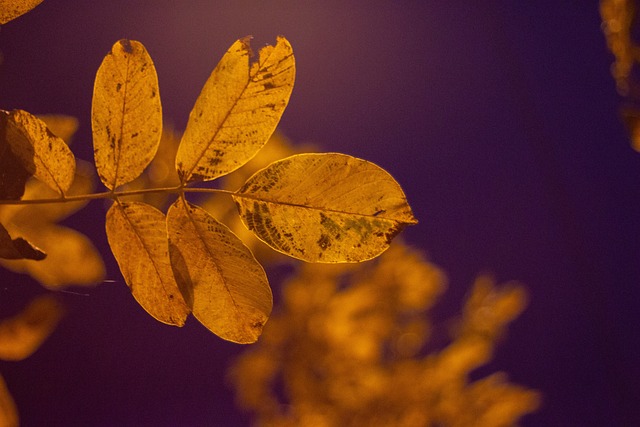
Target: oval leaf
[(44, 155), (228, 288), (137, 234), (126, 114), (11, 9), (237, 110), (324, 207)]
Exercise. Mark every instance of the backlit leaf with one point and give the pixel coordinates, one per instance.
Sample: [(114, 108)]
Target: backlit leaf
[(41, 153), (229, 291), (11, 9), (237, 110), (126, 114), (137, 234), (17, 248), (21, 335), (324, 207)]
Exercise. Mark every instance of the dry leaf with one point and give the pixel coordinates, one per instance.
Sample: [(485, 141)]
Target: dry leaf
[(18, 248), (126, 114), (8, 410), (137, 234), (21, 335), (237, 110), (229, 291), (324, 207), (40, 152), (11, 9)]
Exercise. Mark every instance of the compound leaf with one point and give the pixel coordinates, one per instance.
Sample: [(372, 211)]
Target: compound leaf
[(44, 155), (11, 9), (137, 234), (237, 110), (126, 114), (324, 207), (226, 287)]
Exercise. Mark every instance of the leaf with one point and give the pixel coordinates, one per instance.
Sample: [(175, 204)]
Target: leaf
[(324, 207), (237, 110), (8, 410), (39, 151), (21, 335), (13, 176), (137, 234), (11, 9), (126, 114), (18, 248), (229, 291)]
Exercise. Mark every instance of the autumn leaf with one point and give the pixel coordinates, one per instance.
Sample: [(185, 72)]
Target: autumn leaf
[(18, 248), (324, 207), (44, 155), (11, 9), (13, 175), (229, 291), (126, 114), (237, 110), (137, 234)]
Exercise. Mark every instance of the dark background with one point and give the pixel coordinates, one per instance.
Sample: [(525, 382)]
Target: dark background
[(499, 119)]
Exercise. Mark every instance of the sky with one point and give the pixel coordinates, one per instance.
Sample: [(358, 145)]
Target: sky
[(499, 119)]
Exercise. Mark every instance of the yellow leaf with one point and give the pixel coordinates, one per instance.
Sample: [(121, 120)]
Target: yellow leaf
[(237, 110), (137, 234), (18, 248), (228, 289), (126, 114), (21, 335), (324, 207), (8, 410), (41, 153), (11, 9)]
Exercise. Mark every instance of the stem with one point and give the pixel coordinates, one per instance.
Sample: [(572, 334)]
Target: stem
[(114, 195)]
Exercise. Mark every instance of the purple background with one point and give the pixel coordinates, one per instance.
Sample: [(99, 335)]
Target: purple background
[(499, 120)]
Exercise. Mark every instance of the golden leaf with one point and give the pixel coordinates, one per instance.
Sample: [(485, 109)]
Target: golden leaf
[(237, 110), (18, 248), (8, 410), (228, 289), (126, 114), (137, 234), (324, 207), (46, 156), (11, 9), (21, 335)]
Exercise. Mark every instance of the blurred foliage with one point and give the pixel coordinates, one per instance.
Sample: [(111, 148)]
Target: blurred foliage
[(351, 347)]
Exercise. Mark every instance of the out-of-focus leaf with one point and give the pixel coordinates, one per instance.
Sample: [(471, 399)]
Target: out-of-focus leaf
[(8, 410), (11, 9), (41, 153), (137, 234), (18, 248), (228, 289), (324, 207), (61, 125), (21, 335), (237, 110), (126, 114)]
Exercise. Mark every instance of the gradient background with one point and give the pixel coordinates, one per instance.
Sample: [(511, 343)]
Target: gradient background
[(499, 119)]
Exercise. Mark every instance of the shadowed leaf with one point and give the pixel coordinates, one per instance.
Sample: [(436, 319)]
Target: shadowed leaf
[(229, 289), (18, 248), (237, 110), (137, 234), (13, 175), (46, 156), (324, 207), (126, 114), (11, 9)]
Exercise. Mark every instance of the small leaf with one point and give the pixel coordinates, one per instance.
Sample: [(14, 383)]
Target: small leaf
[(324, 207), (228, 288), (137, 234), (11, 9), (40, 152), (237, 110), (21, 335), (18, 248), (126, 114)]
